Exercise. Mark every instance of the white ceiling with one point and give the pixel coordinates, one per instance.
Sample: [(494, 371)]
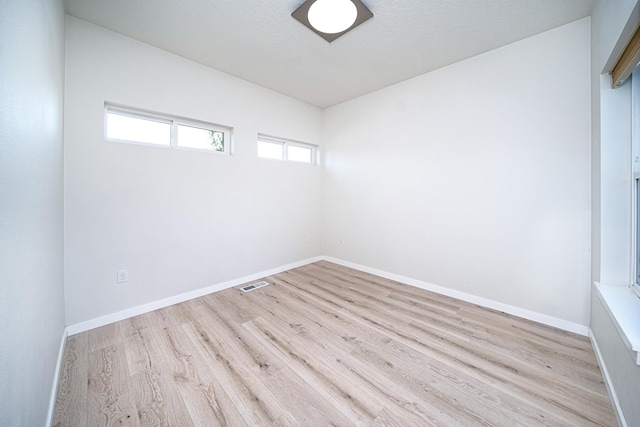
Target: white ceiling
[(259, 41)]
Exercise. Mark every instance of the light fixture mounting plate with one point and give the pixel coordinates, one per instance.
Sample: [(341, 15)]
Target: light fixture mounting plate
[(302, 15)]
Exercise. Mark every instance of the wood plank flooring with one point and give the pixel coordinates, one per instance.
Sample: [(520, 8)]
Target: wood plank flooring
[(325, 345)]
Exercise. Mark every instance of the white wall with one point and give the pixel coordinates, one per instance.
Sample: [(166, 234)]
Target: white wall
[(177, 220), (31, 208), (611, 147), (612, 24), (474, 177)]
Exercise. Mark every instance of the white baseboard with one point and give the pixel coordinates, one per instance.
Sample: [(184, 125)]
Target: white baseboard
[(56, 377), (607, 381), (516, 311), (145, 308)]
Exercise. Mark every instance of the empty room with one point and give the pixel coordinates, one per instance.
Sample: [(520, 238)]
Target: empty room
[(321, 212)]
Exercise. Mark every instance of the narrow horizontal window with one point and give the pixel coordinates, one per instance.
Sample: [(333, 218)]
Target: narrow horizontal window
[(270, 150), (201, 138), (283, 149), (297, 153), (145, 130), (139, 127)]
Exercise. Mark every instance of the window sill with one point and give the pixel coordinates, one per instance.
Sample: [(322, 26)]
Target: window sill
[(624, 308)]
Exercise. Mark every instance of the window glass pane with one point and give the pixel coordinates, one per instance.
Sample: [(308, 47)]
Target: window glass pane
[(137, 129), (270, 150), (299, 154), (204, 139)]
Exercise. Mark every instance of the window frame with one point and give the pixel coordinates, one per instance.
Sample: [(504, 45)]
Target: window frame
[(127, 112), (174, 122), (285, 144), (635, 178)]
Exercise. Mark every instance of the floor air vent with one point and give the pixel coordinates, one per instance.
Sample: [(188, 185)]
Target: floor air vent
[(254, 286)]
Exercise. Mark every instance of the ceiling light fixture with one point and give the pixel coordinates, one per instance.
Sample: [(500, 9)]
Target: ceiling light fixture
[(332, 18)]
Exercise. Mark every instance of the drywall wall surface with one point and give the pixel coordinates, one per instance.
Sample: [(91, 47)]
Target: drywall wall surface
[(620, 366), (610, 218), (177, 220), (31, 208), (608, 26), (615, 183), (474, 177), (612, 23)]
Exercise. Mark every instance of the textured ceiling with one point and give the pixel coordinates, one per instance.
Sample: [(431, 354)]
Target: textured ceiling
[(259, 41)]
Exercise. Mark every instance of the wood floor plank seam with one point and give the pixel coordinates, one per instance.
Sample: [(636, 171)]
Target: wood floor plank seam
[(328, 345), (480, 366), (497, 362)]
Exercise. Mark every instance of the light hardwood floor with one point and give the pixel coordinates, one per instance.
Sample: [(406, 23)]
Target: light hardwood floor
[(324, 345)]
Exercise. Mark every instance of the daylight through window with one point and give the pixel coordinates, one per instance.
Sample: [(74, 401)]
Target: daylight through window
[(139, 127), (635, 168), (286, 150)]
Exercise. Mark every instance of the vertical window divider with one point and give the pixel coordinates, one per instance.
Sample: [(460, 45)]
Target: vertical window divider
[(133, 126), (290, 150), (174, 134)]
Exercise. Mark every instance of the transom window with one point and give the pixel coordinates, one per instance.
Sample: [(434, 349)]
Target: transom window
[(270, 147), (140, 127)]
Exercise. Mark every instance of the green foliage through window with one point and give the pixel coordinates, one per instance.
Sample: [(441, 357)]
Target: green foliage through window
[(216, 139), (140, 127)]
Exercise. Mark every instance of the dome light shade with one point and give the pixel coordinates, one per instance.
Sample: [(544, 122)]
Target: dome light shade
[(332, 16), (331, 19)]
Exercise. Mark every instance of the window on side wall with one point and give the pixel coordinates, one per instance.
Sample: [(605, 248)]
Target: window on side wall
[(286, 150), (133, 126), (635, 168)]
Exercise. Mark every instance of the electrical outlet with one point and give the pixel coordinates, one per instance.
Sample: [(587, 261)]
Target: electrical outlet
[(309, 239), (341, 240), (122, 276)]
